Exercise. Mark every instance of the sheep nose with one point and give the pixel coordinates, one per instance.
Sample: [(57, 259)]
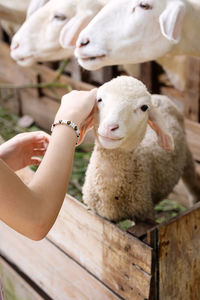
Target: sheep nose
[(14, 45), (113, 127), (84, 42)]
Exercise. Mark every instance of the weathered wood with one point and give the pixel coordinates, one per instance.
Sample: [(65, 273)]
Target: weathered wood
[(95, 243), (193, 137), (11, 15), (48, 75), (14, 286), (118, 259), (42, 109), (50, 268), (179, 259), (10, 99), (191, 93), (141, 228)]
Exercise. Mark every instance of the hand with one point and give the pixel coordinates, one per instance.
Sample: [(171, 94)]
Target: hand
[(21, 150), (78, 107)]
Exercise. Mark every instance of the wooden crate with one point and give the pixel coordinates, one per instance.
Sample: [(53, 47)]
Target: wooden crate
[(87, 257)]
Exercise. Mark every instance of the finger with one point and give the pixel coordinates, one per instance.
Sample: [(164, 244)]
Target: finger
[(39, 145), (42, 136), (39, 152), (93, 92), (35, 161)]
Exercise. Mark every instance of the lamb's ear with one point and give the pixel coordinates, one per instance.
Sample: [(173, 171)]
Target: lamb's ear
[(86, 126), (35, 5), (70, 32), (171, 20), (165, 140)]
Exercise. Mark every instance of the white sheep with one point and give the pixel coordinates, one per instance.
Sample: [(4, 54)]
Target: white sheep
[(135, 31), (51, 28), (134, 165)]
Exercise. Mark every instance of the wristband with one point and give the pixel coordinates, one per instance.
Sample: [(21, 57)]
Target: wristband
[(67, 123)]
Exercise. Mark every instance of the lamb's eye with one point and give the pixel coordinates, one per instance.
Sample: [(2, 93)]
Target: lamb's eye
[(144, 107), (60, 17), (145, 6), (99, 100)]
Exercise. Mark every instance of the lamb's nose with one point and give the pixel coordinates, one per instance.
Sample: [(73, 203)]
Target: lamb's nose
[(14, 45), (113, 127), (84, 42)]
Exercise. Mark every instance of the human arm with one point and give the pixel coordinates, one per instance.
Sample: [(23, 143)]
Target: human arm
[(32, 209), (24, 149)]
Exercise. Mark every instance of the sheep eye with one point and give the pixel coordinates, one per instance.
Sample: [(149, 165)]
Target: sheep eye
[(145, 6), (144, 107), (60, 17), (99, 100)]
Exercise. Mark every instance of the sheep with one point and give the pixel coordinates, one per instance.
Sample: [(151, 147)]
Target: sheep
[(61, 21), (132, 31), (140, 152)]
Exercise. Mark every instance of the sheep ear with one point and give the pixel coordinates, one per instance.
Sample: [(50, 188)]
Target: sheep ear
[(70, 32), (34, 6), (86, 126), (171, 20), (155, 121)]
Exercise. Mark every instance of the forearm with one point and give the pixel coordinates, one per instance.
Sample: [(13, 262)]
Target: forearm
[(52, 177), (32, 210)]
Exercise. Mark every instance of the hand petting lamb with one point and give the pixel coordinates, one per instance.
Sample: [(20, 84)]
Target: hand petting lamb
[(135, 31), (140, 152), (51, 32)]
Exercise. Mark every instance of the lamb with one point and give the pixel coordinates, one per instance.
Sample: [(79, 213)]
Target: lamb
[(132, 31), (140, 152), (62, 21)]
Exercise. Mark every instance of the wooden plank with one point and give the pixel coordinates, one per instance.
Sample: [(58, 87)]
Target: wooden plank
[(118, 259), (191, 93), (11, 72), (9, 99), (14, 286), (11, 15), (51, 269), (193, 137), (42, 109), (47, 75), (179, 259)]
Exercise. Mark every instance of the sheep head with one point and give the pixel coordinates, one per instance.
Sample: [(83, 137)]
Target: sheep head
[(124, 109), (50, 29), (130, 31)]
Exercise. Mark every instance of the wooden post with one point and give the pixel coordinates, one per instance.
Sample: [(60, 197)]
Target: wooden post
[(179, 259), (149, 76), (192, 91)]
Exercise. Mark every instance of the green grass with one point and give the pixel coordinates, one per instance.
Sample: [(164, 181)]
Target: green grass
[(168, 209)]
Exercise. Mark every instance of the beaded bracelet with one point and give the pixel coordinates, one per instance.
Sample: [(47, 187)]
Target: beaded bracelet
[(68, 123)]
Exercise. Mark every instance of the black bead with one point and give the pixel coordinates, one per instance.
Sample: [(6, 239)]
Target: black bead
[(144, 107)]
